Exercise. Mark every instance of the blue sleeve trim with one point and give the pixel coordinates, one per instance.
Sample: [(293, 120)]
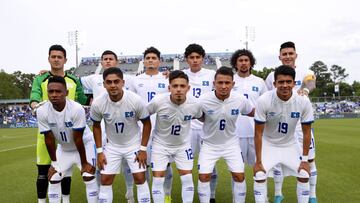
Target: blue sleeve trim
[(259, 122), (79, 129), (94, 120), (308, 122), (44, 132), (146, 118)]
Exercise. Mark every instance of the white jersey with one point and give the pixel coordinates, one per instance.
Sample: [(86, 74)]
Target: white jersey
[(120, 117), (200, 83), (95, 84), (147, 86), (251, 87), (220, 118), (280, 117), (62, 124), (173, 121), (299, 78)]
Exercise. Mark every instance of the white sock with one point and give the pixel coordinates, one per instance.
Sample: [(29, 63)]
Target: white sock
[(168, 180), (204, 191), (129, 181), (158, 189), (278, 180), (302, 191), (239, 193), (143, 193), (65, 198), (213, 182), (92, 191), (105, 194), (187, 188), (42, 200), (54, 193), (313, 179), (260, 192)]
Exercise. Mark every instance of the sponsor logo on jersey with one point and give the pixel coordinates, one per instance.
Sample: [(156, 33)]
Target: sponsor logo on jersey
[(99, 84), (106, 115), (205, 83), (161, 85), (270, 114), (210, 112), (52, 124), (234, 112), (187, 117), (255, 89), (69, 124), (129, 114), (295, 115)]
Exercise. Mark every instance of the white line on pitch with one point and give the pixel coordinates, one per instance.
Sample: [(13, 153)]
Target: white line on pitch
[(15, 148)]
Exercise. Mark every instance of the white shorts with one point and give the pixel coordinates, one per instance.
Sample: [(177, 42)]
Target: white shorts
[(66, 159), (299, 137), (247, 146), (288, 157), (161, 156), (196, 134), (209, 156), (115, 155)]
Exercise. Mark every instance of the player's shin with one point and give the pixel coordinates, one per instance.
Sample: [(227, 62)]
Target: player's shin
[(204, 191), (92, 189), (260, 191), (239, 191), (143, 192), (158, 189), (42, 182), (54, 192), (302, 191), (313, 179), (278, 180), (105, 194), (187, 185)]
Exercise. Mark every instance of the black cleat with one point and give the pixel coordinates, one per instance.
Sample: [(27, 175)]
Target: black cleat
[(212, 200)]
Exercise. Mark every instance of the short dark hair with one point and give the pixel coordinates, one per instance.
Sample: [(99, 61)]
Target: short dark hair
[(224, 70), (57, 79), (113, 70), (287, 45), (152, 50), (57, 47), (284, 70), (178, 74), (108, 52), (242, 52), (194, 48)]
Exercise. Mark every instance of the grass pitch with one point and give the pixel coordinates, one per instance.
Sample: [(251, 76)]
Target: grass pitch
[(337, 148)]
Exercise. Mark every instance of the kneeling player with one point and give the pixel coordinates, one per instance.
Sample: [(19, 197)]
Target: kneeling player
[(171, 138), (277, 113), (121, 110), (64, 120)]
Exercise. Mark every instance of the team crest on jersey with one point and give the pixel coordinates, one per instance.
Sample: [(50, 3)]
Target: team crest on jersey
[(295, 115), (52, 124), (129, 114), (187, 117), (255, 89), (298, 82), (69, 124), (205, 83), (234, 112), (106, 115), (210, 112), (161, 85)]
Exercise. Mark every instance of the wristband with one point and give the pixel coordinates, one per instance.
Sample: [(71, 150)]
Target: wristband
[(99, 150), (143, 148), (304, 158)]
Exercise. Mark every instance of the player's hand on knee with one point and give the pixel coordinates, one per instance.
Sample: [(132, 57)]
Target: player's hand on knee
[(141, 158), (258, 167), (88, 168), (101, 161), (304, 165), (54, 175)]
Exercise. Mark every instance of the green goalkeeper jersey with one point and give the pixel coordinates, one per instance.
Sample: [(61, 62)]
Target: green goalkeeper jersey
[(39, 88)]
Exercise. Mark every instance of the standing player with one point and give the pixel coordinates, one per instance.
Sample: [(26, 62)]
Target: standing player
[(95, 84), (171, 139), (251, 87), (303, 85), (64, 120), (201, 81), (57, 59), (277, 114), (221, 110), (147, 85), (121, 110)]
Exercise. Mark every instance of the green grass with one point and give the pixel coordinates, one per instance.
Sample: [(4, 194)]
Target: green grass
[(337, 145)]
